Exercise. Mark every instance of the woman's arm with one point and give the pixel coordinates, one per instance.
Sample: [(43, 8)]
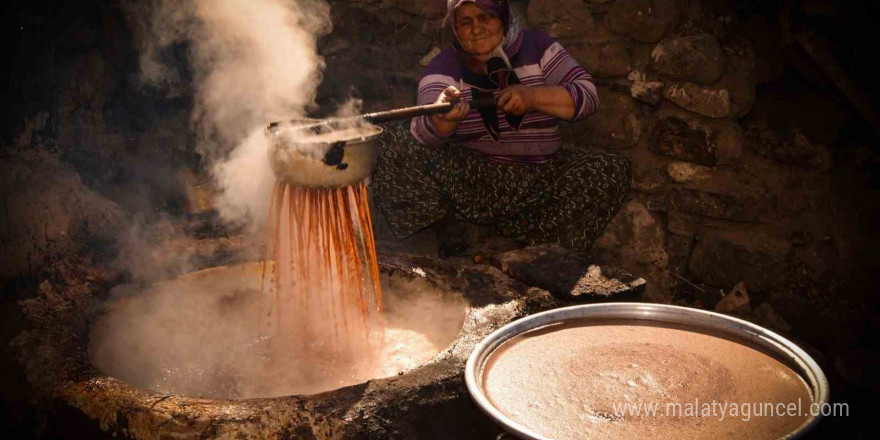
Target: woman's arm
[(561, 70), (552, 100), (436, 130), (569, 94)]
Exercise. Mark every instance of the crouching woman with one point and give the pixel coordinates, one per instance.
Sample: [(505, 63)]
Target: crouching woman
[(503, 165)]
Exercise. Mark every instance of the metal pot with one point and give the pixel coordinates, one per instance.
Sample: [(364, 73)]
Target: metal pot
[(781, 348), (320, 164)]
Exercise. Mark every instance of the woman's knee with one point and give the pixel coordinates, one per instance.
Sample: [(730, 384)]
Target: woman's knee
[(617, 166), (620, 171), (605, 165)]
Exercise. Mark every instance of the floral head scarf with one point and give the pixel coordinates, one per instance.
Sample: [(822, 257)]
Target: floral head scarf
[(498, 8)]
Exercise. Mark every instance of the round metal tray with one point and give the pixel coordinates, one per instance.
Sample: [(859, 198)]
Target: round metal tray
[(781, 348)]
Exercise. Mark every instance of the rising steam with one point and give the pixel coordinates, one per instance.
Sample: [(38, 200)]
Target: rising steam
[(247, 63), (251, 62), (200, 336)]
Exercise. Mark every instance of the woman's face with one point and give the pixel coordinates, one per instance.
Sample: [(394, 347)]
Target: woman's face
[(478, 31)]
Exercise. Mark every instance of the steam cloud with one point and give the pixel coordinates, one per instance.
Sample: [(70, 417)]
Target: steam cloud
[(249, 62), (252, 62), (201, 336)]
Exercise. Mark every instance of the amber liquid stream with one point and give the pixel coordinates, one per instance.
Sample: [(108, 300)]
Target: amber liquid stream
[(322, 275)]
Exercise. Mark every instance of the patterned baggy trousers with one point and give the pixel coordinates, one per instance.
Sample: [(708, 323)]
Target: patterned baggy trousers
[(568, 200)]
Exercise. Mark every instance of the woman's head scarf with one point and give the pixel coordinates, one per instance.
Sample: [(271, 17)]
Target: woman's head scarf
[(498, 8), (500, 70)]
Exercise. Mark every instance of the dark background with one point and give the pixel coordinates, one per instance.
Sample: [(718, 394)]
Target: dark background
[(145, 138)]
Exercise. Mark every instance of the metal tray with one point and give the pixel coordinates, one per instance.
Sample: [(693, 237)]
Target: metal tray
[(700, 320)]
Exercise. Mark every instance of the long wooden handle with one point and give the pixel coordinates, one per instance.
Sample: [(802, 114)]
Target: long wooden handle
[(422, 110), (392, 115)]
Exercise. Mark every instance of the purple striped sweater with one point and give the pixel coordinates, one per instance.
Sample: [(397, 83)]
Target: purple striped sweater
[(540, 61)]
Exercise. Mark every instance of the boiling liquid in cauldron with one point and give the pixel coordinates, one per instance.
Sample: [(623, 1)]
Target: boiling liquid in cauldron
[(563, 382), (202, 335)]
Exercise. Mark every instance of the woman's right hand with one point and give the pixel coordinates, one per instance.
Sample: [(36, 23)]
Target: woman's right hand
[(447, 122)]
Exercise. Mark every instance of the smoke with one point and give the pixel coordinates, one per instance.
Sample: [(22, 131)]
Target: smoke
[(350, 108), (250, 62), (244, 182)]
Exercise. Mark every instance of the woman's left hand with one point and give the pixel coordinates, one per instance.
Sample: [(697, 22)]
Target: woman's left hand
[(517, 99)]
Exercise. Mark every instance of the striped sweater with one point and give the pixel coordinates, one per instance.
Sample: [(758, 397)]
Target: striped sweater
[(539, 61)]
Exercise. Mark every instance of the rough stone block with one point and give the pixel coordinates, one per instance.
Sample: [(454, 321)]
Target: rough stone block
[(568, 274), (707, 101), (686, 172), (715, 205), (719, 262), (696, 58), (735, 301), (561, 18), (643, 20), (696, 139), (617, 124), (649, 92), (648, 179), (428, 9), (635, 235), (602, 58)]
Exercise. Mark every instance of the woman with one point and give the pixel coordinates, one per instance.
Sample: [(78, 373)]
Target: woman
[(504, 165)]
